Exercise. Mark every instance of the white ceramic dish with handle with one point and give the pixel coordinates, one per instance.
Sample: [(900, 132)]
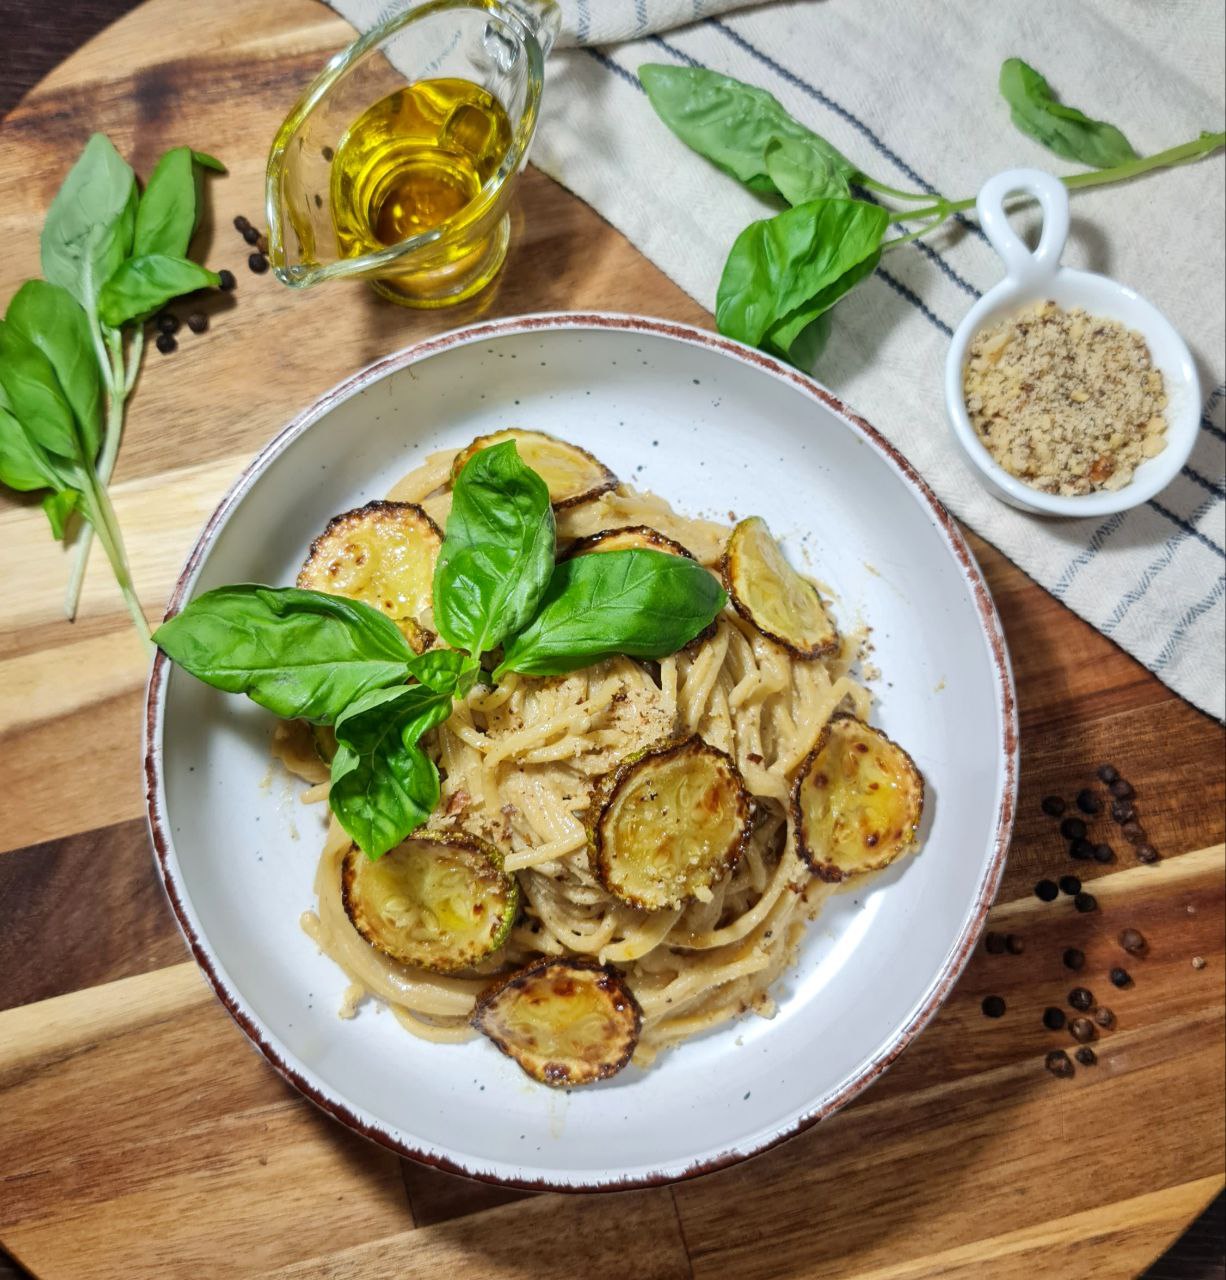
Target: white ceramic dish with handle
[(1038, 276), (714, 427)]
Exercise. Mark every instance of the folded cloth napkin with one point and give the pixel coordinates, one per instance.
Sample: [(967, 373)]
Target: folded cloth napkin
[(907, 89)]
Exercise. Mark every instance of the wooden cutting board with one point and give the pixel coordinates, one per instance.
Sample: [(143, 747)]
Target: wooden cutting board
[(140, 1135)]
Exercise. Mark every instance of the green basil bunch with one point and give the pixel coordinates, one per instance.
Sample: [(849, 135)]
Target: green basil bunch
[(70, 344), (785, 273), (332, 661)]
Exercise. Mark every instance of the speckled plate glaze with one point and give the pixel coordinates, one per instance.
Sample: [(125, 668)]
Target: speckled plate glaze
[(715, 427)]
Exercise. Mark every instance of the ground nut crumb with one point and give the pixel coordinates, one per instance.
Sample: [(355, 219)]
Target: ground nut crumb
[(1066, 401)]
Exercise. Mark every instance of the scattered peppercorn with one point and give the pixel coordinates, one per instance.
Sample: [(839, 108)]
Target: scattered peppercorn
[(226, 280), (995, 944), (1198, 962), (1133, 941), (1147, 853), (1133, 832), (1081, 999), (1085, 902), (1053, 806), (1120, 977), (1088, 801), (166, 322), (250, 234), (258, 263), (1104, 853), (1070, 885), (1059, 1063), (241, 224), (1073, 829), (993, 1006), (1074, 958), (1048, 890), (197, 322), (1122, 811), (1086, 1056), (1053, 1018), (327, 153), (1082, 1029), (166, 343), (1081, 850), (1104, 1017), (1122, 789), (1107, 773), (1014, 944)]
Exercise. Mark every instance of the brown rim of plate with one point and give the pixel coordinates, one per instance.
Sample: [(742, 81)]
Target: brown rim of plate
[(963, 946), (824, 870)]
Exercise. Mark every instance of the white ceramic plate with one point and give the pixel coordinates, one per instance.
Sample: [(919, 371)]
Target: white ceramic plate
[(714, 427)]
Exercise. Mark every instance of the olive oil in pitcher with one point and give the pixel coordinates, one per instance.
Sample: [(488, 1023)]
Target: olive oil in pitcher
[(415, 160)]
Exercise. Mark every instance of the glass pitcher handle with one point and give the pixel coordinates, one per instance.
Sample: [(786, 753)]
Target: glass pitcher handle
[(542, 17)]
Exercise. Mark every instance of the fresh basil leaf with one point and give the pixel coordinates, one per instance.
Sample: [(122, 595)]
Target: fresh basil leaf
[(498, 551), (169, 209), (645, 604), (801, 337), (445, 671), (50, 318), (88, 229), (301, 654), (59, 507), (734, 126), (206, 161), (384, 786), (145, 284), (804, 258), (804, 172), (33, 395), (1065, 130), (21, 463)]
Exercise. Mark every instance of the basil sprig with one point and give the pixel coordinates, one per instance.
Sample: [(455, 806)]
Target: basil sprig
[(331, 660), (71, 343), (785, 273)]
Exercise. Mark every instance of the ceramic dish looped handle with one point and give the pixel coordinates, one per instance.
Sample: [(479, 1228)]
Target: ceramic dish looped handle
[(1023, 266)]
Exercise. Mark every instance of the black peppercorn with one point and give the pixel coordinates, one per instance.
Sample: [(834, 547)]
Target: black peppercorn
[(1147, 853), (1014, 944), (251, 235), (1070, 885), (166, 343), (327, 153), (1104, 1017), (1073, 829), (1122, 811), (1053, 1018), (226, 280), (993, 1006), (995, 944), (1122, 789), (258, 263), (197, 322), (1081, 850), (1074, 958), (1081, 999), (1120, 977), (1104, 853), (1107, 773), (1133, 832), (1048, 890), (1082, 1029), (1053, 806), (1059, 1063), (1088, 801), (167, 323), (1133, 941), (1086, 1056), (1085, 902), (241, 224)]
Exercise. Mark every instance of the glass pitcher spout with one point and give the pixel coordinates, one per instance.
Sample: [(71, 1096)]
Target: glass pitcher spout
[(398, 163)]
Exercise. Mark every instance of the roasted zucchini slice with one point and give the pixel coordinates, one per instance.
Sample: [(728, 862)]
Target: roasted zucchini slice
[(631, 537), (767, 591), (564, 1021), (670, 822), (323, 739), (382, 554), (571, 474), (440, 900), (857, 801)]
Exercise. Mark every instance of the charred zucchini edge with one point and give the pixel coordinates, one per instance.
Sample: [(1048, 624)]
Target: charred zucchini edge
[(376, 506), (608, 479), (828, 871), (653, 537)]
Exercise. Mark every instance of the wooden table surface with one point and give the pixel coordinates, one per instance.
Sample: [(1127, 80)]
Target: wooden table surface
[(141, 1136)]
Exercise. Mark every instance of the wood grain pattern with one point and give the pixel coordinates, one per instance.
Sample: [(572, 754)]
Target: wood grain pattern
[(139, 1135)]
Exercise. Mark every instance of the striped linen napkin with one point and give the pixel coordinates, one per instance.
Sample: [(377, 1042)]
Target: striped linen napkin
[(907, 88)]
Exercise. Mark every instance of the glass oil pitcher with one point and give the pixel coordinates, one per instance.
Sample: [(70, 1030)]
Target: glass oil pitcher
[(398, 163)]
